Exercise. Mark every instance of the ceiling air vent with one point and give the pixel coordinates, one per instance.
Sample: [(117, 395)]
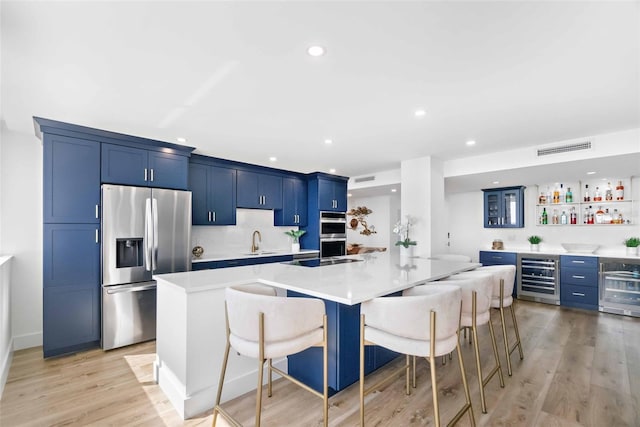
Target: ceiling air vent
[(365, 178), (565, 148)]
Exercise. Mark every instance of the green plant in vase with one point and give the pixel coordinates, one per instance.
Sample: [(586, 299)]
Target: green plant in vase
[(534, 241), (632, 244), (295, 236)]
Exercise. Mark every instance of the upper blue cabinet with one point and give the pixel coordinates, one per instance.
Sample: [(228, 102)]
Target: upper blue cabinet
[(213, 194), (71, 174), (294, 203), (332, 195), (504, 207), (141, 167), (259, 190)]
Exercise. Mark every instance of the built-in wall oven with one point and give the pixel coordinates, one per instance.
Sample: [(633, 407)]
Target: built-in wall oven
[(333, 234)]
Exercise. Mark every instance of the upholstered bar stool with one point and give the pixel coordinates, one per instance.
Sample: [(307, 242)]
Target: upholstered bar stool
[(504, 276), (423, 322), (451, 257), (263, 326), (476, 305)]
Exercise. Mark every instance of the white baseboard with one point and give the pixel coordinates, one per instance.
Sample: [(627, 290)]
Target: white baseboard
[(5, 365), (204, 400), (21, 342)]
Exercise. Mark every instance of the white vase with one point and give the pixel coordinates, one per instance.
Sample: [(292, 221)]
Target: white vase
[(632, 251), (406, 255), (535, 247), (295, 247)]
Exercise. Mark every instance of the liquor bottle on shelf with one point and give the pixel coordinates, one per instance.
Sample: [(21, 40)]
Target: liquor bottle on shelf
[(608, 193), (544, 219), (619, 191), (586, 193), (548, 195), (542, 200), (591, 217), (597, 196), (562, 195), (569, 196), (620, 219), (554, 218), (599, 215), (556, 195), (563, 218), (573, 215), (607, 219)]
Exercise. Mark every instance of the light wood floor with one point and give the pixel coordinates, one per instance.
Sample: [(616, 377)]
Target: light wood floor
[(580, 369)]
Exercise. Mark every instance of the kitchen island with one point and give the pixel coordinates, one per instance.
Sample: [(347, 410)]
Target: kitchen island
[(191, 326)]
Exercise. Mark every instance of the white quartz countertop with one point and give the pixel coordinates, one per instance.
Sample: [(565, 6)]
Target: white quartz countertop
[(260, 254), (553, 251), (378, 274)]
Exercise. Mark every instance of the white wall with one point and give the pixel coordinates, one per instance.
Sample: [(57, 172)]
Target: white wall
[(21, 224), (468, 235), (386, 209), (237, 238), (6, 338)]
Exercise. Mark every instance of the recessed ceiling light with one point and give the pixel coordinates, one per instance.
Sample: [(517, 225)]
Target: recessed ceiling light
[(181, 139), (496, 182), (471, 142), (591, 173), (332, 171), (393, 190), (273, 159), (420, 113), (316, 50), (328, 141), (349, 195)]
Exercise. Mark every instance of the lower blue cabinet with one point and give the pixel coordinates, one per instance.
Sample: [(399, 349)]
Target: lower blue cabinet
[(343, 334), (71, 288), (579, 281)]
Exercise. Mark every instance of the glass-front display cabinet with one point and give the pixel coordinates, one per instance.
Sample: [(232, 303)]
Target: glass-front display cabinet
[(504, 207)]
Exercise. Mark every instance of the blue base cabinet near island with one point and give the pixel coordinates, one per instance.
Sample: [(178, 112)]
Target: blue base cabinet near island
[(343, 335), (579, 281)]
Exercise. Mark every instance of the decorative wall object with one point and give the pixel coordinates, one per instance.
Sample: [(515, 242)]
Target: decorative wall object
[(359, 215)]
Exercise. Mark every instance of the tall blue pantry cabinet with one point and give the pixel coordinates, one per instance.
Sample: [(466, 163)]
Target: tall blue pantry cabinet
[(76, 161), (71, 247)]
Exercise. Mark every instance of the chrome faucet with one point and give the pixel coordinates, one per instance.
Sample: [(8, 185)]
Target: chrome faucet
[(254, 247)]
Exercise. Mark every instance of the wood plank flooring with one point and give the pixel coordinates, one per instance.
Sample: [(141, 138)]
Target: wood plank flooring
[(580, 369)]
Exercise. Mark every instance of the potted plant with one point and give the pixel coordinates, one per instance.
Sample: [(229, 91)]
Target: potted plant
[(632, 244), (535, 242), (295, 235), (405, 243)]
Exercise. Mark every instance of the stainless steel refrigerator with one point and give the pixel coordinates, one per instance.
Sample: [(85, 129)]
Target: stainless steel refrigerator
[(145, 231)]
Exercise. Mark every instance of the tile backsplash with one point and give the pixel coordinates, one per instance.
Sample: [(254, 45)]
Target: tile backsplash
[(237, 238)]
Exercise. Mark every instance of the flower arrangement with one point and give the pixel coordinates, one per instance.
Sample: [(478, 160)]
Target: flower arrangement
[(632, 242), (534, 240), (402, 230), (295, 234)]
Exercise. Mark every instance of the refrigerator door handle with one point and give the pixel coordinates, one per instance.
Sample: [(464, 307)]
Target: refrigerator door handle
[(154, 210), (147, 235)]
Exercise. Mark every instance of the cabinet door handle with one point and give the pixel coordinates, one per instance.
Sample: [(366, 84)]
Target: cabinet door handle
[(151, 175), (209, 216), (97, 236), (577, 294), (577, 262), (214, 216), (145, 174), (577, 277), (97, 213)]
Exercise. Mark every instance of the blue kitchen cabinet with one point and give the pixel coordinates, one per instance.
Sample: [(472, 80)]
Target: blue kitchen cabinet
[(71, 288), (71, 184), (258, 190), (213, 194), (504, 207), (501, 258), (146, 168), (579, 281), (294, 203), (332, 195), (343, 335)]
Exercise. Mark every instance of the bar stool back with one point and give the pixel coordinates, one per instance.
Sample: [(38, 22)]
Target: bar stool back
[(263, 326)]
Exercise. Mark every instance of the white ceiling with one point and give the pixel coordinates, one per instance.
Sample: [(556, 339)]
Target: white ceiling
[(234, 77)]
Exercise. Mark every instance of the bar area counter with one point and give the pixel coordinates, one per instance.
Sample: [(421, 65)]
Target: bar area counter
[(191, 323)]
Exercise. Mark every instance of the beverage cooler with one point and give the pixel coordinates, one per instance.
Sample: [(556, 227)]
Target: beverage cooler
[(620, 286), (538, 278)]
